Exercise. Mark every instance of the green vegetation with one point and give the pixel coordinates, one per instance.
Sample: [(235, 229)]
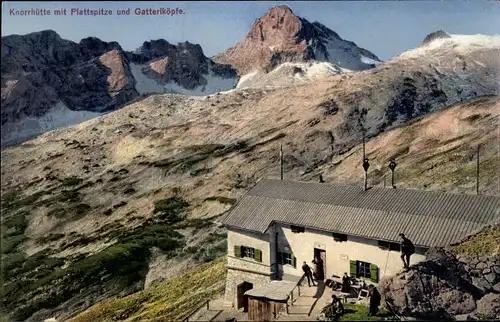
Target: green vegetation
[(169, 301), (71, 181), (356, 312), (73, 211), (170, 210), (12, 201), (208, 253), (196, 154), (49, 238), (222, 199), (484, 243), (119, 266), (12, 232)]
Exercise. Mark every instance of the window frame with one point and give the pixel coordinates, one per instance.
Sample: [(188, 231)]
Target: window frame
[(363, 269), (286, 258), (339, 237), (297, 229), (395, 247), (245, 251)]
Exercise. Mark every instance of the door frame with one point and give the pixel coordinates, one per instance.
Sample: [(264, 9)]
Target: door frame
[(319, 251), (241, 298)]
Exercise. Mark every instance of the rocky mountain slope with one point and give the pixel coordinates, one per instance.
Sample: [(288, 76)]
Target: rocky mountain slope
[(462, 282), (84, 205), (280, 36), (133, 197), (49, 82)]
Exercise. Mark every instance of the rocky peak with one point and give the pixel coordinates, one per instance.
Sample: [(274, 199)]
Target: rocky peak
[(93, 47), (440, 34), (280, 36), (155, 49)]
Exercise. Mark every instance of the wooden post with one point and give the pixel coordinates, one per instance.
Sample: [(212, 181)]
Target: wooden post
[(281, 161), (477, 171)]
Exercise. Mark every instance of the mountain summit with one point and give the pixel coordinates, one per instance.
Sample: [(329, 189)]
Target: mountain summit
[(280, 36)]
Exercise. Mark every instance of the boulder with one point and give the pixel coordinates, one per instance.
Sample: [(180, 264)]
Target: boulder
[(488, 307), (440, 285)]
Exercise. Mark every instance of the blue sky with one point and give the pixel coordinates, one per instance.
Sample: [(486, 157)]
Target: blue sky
[(386, 28)]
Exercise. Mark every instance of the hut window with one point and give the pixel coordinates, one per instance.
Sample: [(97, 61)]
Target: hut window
[(297, 229), (287, 259), (364, 270), (248, 252), (388, 245), (339, 237)]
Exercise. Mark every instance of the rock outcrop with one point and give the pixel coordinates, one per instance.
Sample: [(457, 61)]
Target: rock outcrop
[(280, 36), (447, 285), (41, 69), (440, 34), (184, 64)]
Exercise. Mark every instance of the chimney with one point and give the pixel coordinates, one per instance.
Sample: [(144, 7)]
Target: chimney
[(281, 161), (392, 166), (477, 170)]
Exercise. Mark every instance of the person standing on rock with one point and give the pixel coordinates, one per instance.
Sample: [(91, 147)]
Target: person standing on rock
[(407, 249), (308, 273)]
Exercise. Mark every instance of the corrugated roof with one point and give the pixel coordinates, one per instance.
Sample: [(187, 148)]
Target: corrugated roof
[(274, 290), (427, 218)]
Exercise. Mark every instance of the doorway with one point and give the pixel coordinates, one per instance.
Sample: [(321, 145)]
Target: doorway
[(321, 253), (242, 298)]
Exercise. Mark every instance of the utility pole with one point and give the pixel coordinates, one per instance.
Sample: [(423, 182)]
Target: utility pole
[(366, 164), (281, 161), (477, 170)]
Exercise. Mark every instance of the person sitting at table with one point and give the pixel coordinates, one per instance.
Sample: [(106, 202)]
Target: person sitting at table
[(337, 308), (346, 284)]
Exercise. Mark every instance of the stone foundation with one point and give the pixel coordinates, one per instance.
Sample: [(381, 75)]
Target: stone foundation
[(236, 277)]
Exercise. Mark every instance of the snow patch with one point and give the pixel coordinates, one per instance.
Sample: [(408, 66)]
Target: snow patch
[(346, 55), (144, 84), (30, 126), (460, 43), (214, 84), (369, 61), (288, 74), (247, 79)]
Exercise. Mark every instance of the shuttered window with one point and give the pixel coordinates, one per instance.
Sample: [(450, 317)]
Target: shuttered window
[(287, 259), (248, 252), (364, 270), (374, 273)]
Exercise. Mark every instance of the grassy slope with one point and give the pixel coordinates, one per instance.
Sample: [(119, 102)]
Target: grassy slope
[(484, 243), (171, 301)]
